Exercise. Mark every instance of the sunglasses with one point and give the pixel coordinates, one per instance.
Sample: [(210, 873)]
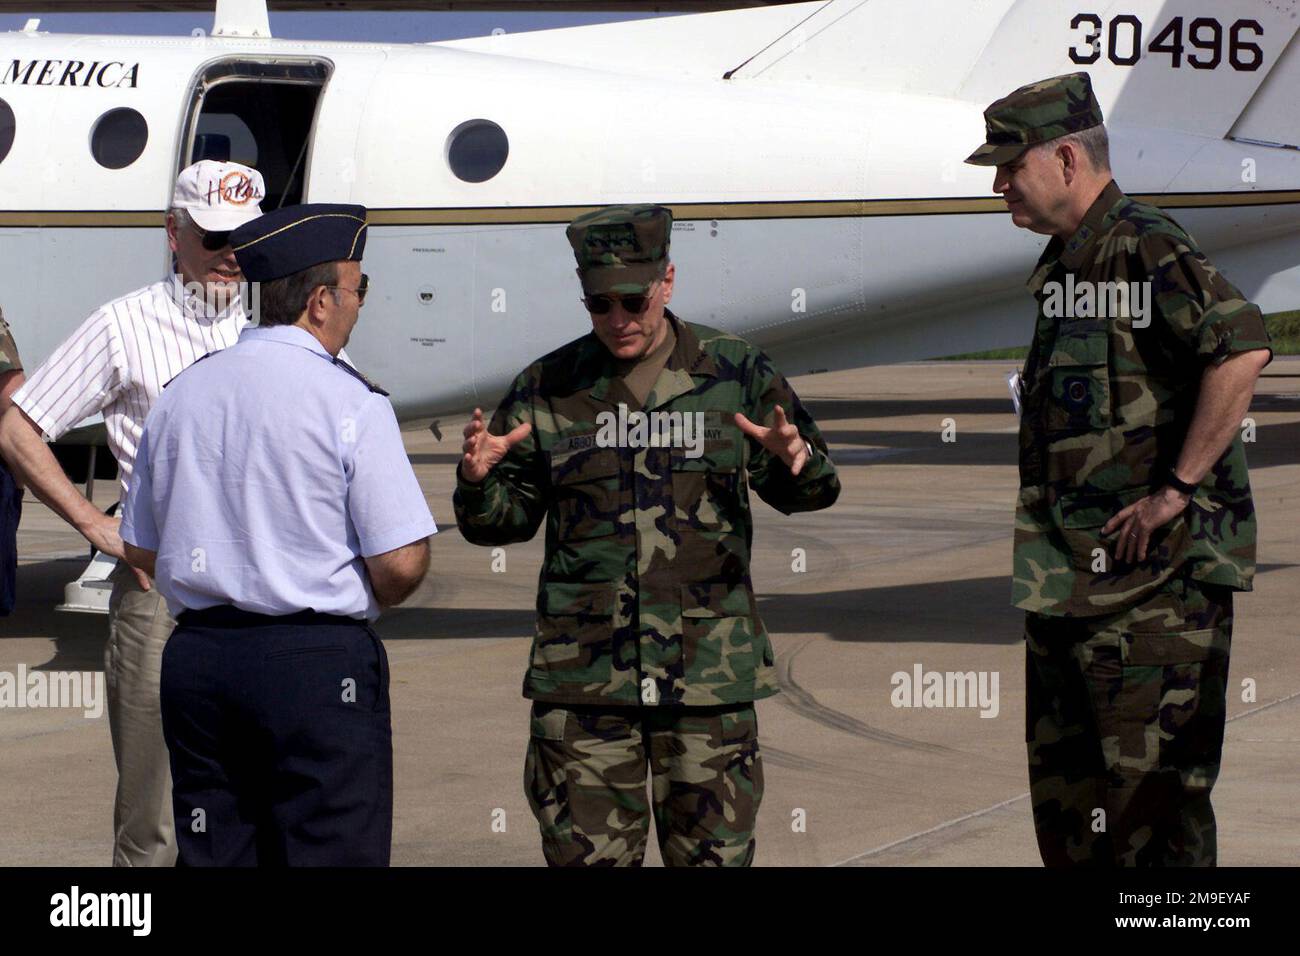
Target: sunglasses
[(360, 291), (214, 240), (600, 304)]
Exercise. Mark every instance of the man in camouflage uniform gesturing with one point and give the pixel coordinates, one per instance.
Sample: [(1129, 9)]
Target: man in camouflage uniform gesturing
[(649, 650), (1134, 523)]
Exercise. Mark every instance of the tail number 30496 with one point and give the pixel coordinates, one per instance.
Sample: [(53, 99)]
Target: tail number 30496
[(1204, 43)]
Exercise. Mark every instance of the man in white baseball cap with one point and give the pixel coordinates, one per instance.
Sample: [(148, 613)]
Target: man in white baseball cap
[(219, 196), (116, 363), (210, 199)]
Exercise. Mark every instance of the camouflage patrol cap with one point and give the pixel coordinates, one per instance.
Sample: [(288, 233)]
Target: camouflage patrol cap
[(621, 249), (1035, 114)]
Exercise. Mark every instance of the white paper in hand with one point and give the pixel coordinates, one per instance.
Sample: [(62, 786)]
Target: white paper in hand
[(1013, 384)]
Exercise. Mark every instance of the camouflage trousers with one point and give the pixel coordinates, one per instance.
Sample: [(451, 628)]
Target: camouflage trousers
[(1124, 725), (585, 776)]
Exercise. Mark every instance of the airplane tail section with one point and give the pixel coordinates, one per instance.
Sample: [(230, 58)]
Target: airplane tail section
[(1272, 115), (1187, 65), (1196, 66), (1202, 67)]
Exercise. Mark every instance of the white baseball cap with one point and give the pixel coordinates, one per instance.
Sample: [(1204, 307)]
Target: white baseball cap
[(219, 196)]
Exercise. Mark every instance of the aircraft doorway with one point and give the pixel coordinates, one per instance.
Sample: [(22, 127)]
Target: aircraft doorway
[(258, 114)]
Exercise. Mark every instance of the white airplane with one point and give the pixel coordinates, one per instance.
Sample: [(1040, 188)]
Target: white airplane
[(811, 153)]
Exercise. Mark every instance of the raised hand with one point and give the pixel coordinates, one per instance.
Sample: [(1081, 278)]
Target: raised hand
[(782, 439), (483, 450)]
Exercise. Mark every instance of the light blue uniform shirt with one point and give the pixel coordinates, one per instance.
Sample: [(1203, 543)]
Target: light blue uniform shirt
[(264, 474)]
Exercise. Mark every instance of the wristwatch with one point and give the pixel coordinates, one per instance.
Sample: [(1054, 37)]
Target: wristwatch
[(1173, 481)]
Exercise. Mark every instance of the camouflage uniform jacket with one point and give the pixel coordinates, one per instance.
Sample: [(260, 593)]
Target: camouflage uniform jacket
[(1107, 403), (9, 360), (644, 595)]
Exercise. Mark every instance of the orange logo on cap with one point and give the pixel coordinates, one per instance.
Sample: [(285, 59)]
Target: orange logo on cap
[(236, 189)]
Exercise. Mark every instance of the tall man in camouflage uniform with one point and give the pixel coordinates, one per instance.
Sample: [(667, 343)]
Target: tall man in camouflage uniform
[(1134, 523), (649, 648)]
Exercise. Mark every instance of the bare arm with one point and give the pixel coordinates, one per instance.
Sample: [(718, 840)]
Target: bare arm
[(34, 464), (1225, 394), (395, 574), (25, 450), (1226, 391), (141, 559)]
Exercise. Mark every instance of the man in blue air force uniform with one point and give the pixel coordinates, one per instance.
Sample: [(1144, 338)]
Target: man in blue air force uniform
[(275, 506)]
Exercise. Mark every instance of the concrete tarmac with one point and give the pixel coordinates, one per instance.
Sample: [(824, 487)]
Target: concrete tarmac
[(910, 568)]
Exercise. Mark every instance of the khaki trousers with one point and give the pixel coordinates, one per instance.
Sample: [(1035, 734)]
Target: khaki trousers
[(138, 628)]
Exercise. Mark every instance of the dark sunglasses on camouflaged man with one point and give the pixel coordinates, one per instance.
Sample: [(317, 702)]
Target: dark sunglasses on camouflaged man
[(601, 304)]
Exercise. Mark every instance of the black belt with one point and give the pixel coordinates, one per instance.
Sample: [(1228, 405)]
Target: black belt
[(226, 615)]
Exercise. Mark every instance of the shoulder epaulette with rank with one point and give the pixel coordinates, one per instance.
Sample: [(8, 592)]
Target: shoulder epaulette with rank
[(357, 375)]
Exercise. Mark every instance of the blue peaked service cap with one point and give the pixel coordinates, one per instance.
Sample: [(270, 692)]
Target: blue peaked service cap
[(295, 238)]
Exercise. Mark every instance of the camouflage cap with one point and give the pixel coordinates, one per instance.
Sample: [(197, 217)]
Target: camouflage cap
[(1034, 114), (621, 249)]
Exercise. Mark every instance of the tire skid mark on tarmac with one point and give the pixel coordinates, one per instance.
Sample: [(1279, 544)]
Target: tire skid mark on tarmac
[(805, 704), (954, 825), (849, 776), (789, 760)]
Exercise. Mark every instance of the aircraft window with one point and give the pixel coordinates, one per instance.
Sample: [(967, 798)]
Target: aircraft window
[(6, 129), (118, 138), (476, 150)]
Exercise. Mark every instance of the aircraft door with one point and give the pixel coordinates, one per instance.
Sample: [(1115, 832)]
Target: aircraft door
[(261, 114)]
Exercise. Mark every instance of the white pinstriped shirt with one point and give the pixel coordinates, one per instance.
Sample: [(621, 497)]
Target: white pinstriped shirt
[(119, 359)]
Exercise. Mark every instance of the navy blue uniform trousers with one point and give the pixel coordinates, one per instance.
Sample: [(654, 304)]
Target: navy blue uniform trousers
[(280, 739)]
